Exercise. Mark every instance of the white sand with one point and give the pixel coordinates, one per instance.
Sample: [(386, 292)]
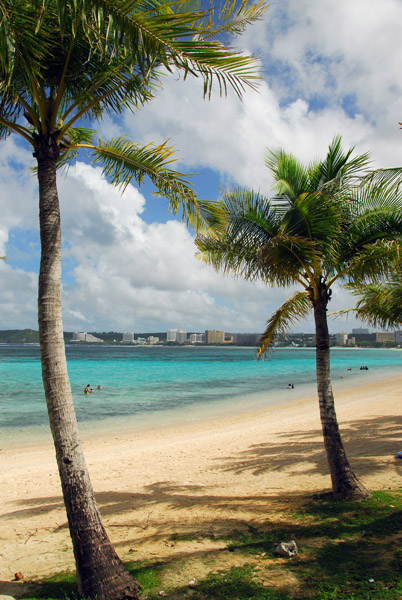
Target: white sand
[(207, 477)]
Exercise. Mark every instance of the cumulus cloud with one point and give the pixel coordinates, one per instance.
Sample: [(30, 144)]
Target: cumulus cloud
[(141, 276)]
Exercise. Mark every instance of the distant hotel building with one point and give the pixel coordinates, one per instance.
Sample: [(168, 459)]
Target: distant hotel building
[(128, 336), (246, 339), (176, 335), (82, 336), (360, 331), (384, 336), (212, 336), (341, 338), (196, 338)]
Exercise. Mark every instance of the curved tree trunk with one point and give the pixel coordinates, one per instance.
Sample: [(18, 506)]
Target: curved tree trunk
[(345, 484), (100, 572)]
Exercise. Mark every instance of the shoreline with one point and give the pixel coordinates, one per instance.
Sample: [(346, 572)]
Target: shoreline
[(208, 475), (197, 413)]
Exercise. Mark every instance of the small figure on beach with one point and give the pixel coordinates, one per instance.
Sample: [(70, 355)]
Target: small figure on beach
[(291, 386), (88, 390)]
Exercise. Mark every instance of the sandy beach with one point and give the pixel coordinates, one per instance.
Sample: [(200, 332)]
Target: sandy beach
[(209, 477)]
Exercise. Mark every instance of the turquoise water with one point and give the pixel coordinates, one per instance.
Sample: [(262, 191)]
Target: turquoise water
[(139, 381)]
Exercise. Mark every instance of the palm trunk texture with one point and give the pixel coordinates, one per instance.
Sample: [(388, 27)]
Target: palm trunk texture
[(345, 484), (100, 572)]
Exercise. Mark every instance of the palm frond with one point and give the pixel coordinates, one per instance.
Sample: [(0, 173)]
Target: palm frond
[(226, 256), (387, 177), (291, 176), (292, 311), (122, 160), (141, 31), (240, 223), (339, 169), (380, 304), (373, 261), (286, 259), (232, 18), (71, 142)]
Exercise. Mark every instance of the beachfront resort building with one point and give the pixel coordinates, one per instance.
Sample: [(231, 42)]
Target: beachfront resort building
[(212, 336), (176, 335), (398, 337), (196, 338), (246, 339), (384, 336), (128, 337), (341, 338)]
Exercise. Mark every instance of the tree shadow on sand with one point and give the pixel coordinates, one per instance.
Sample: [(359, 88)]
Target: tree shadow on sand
[(303, 451)]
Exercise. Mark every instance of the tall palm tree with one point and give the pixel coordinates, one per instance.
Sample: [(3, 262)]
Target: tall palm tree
[(62, 65), (320, 229)]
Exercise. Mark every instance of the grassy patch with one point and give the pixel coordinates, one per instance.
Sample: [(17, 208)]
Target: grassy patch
[(347, 550)]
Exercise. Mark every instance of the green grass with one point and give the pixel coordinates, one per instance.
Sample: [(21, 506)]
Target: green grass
[(347, 550)]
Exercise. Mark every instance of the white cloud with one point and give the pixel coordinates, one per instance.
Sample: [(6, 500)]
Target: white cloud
[(140, 275), (18, 203)]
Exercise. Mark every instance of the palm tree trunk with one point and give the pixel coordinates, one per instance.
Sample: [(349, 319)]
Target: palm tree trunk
[(100, 572), (345, 484)]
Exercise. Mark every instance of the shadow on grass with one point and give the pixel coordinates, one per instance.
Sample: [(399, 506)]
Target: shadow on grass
[(347, 550)]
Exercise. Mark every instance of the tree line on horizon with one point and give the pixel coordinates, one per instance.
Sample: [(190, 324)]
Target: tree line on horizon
[(66, 64)]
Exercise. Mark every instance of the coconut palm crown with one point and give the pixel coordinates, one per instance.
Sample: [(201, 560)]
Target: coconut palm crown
[(320, 229), (63, 65)]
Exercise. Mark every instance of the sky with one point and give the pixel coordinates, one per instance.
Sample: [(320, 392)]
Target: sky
[(128, 265)]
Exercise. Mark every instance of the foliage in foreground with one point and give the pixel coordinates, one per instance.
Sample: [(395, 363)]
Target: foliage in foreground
[(347, 550)]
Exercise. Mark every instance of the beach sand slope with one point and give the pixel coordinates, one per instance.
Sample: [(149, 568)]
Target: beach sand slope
[(193, 482)]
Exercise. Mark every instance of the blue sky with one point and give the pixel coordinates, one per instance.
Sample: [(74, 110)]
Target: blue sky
[(128, 265)]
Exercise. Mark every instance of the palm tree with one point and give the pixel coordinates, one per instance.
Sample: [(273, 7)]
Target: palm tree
[(62, 65), (320, 229)]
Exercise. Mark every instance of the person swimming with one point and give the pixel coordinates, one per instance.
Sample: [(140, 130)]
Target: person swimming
[(88, 390)]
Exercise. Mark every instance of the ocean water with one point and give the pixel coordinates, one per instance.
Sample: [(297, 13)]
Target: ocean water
[(153, 385)]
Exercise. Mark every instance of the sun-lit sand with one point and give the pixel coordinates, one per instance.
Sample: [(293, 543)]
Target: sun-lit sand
[(208, 476)]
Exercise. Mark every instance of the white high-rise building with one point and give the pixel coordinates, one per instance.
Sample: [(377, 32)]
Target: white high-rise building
[(171, 335), (196, 338), (176, 335), (181, 336), (341, 338), (128, 336)]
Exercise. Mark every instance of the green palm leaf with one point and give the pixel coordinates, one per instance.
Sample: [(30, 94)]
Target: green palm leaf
[(292, 311), (380, 304), (122, 160)]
